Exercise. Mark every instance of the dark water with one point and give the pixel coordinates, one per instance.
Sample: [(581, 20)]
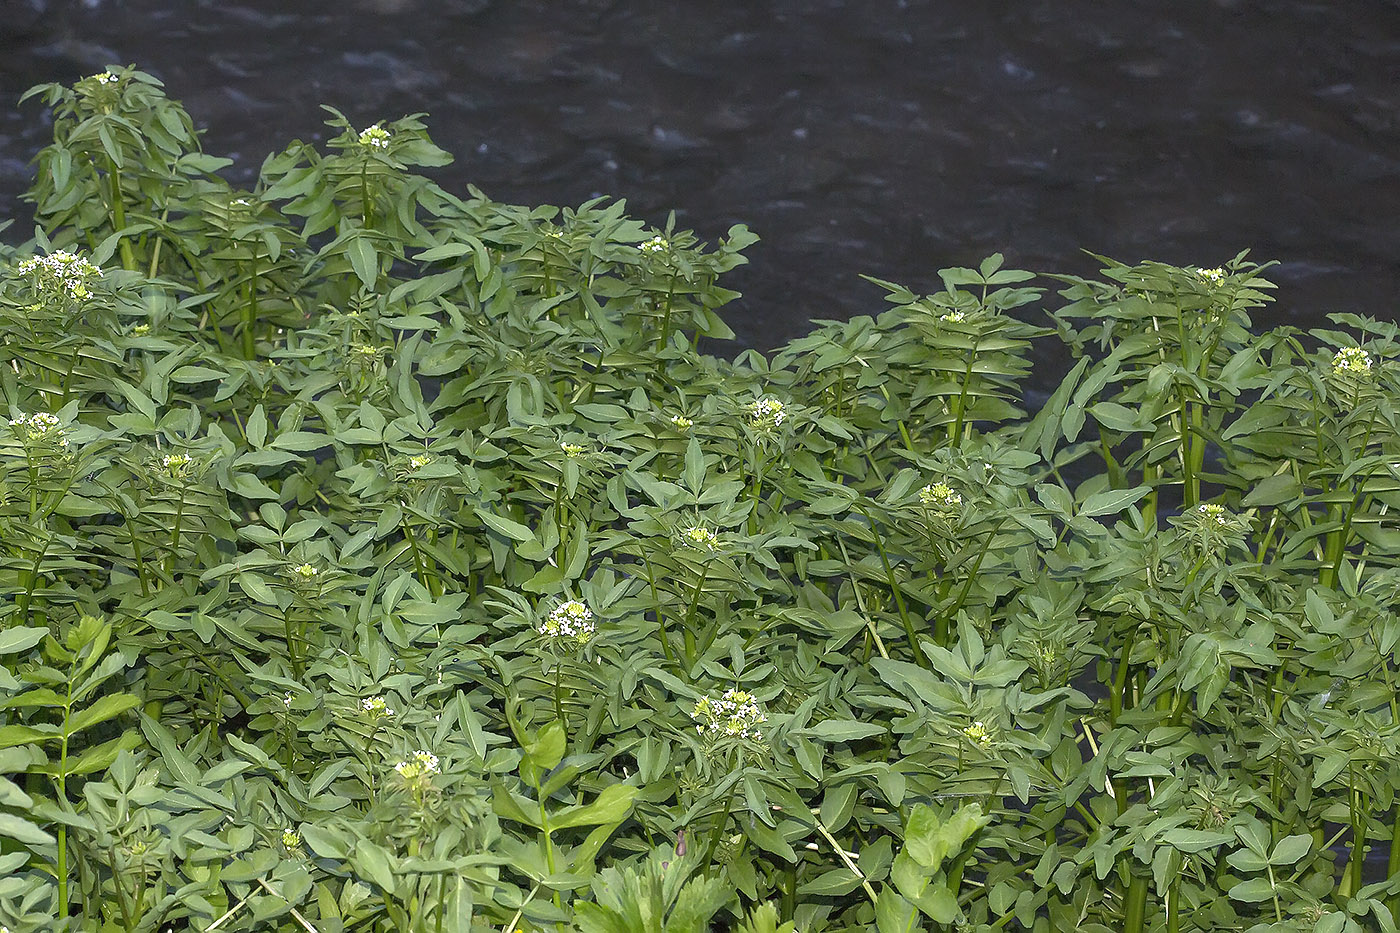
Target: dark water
[(892, 137)]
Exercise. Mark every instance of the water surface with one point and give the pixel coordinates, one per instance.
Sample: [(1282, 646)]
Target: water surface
[(891, 137)]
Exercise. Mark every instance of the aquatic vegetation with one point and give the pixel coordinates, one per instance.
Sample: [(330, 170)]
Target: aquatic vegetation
[(383, 558)]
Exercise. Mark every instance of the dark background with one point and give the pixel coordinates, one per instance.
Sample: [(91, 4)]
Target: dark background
[(892, 137)]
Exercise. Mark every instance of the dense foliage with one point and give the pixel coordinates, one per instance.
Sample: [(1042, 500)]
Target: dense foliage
[(379, 559)]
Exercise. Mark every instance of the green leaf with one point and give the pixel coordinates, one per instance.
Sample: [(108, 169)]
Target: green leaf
[(1290, 849), (364, 260), (546, 749), (371, 860), (324, 841), (107, 707), (929, 839), (1112, 501), (610, 806), (21, 829), (893, 914), (19, 638), (24, 735), (843, 730), (505, 526), (1252, 891), (1195, 840)]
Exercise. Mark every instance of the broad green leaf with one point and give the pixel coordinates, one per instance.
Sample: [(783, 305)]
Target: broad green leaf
[(20, 638), (1112, 501), (610, 806), (24, 831)]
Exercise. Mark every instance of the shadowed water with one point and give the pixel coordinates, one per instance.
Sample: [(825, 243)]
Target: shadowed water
[(891, 138)]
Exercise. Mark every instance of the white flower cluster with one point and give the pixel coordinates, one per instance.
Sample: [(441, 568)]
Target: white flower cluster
[(104, 77), (766, 414), (1212, 277), (573, 451), (1214, 513), (39, 427), (681, 422), (699, 537), (940, 497), (376, 708), (570, 621), (291, 838), (420, 764), (61, 271), (978, 734), (420, 461), (953, 317), (656, 244), (375, 137), (735, 715), (1352, 361), (176, 466)]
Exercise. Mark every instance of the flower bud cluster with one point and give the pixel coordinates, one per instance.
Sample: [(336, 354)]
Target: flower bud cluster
[(699, 537), (656, 244), (1212, 277), (681, 423), (735, 715), (940, 497), (979, 734)]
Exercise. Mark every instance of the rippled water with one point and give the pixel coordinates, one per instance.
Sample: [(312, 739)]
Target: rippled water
[(891, 138)]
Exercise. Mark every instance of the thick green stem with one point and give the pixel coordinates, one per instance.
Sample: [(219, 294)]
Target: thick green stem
[(1135, 906)]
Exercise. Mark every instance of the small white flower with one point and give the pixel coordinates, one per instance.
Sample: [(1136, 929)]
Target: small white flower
[(420, 764), (1351, 361), (291, 838), (39, 427), (735, 715), (953, 317), (287, 700), (1213, 512), (570, 621), (61, 271), (573, 451), (1212, 277), (375, 137), (656, 244), (177, 466), (420, 461), (376, 708), (681, 422), (104, 77), (766, 414)]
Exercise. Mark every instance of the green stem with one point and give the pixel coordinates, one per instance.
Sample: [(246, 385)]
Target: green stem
[(909, 632), (1135, 906), (1392, 865), (656, 604), (718, 831)]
